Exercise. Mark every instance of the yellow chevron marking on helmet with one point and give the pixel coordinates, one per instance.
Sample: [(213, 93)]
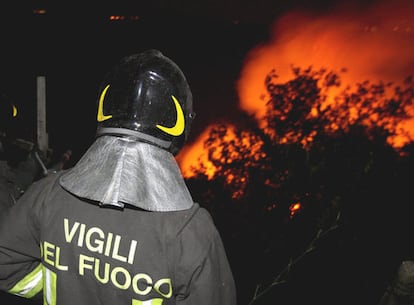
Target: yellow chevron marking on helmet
[(178, 127), (14, 111), (101, 116)]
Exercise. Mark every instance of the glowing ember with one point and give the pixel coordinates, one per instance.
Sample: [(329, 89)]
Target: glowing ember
[(294, 209)]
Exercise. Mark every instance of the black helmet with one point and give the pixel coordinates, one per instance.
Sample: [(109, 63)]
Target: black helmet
[(13, 126), (146, 96), (15, 137), (8, 114), (15, 123)]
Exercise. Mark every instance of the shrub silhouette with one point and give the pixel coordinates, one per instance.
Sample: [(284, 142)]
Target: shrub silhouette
[(331, 155)]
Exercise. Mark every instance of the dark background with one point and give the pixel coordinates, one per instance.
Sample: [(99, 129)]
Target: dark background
[(74, 44), (74, 48)]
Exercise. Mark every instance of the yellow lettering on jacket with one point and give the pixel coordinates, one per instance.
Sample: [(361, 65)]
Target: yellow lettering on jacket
[(51, 255), (98, 241), (141, 283)]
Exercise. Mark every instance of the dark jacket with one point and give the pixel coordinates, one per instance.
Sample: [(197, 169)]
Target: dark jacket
[(76, 252)]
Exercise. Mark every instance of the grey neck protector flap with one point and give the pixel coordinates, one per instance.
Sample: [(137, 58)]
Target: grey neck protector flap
[(120, 170)]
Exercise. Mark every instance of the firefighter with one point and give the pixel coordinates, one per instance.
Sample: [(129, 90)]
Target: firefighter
[(120, 226), (400, 291), (20, 164)]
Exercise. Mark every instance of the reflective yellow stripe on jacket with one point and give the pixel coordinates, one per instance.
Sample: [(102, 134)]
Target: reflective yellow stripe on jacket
[(30, 285), (49, 293)]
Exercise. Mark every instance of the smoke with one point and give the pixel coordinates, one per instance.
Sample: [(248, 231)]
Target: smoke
[(374, 43)]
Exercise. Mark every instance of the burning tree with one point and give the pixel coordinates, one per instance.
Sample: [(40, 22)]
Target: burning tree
[(278, 182), (301, 128)]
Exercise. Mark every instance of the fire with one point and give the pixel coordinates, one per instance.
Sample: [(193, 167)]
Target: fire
[(294, 209), (375, 44), (194, 154), (244, 147)]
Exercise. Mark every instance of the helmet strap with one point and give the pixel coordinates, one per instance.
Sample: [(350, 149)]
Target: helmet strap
[(133, 133)]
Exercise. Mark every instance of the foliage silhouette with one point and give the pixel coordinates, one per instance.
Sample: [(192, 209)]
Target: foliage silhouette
[(331, 154)]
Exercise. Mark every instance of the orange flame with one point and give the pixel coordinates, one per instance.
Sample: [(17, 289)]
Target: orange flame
[(376, 44), (245, 146), (194, 154), (294, 209)]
